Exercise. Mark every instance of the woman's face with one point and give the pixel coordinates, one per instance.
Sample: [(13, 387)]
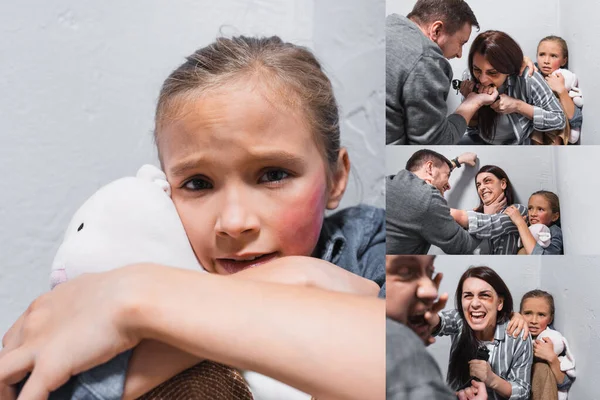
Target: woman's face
[(540, 211), (485, 73), (550, 57), (536, 312), (480, 305), (489, 187), (247, 178)]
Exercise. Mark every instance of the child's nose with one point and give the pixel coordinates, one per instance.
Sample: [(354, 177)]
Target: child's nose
[(236, 216)]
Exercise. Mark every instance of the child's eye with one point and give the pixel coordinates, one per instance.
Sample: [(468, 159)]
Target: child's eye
[(274, 175), (197, 184)]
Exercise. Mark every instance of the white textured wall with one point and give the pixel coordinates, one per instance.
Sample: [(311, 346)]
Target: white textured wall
[(79, 82)]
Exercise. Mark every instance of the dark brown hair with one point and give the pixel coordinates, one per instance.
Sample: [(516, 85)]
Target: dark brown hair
[(536, 294), (500, 174), (290, 72), (467, 344), (453, 13), (506, 56), (563, 45), (553, 200), (419, 158)]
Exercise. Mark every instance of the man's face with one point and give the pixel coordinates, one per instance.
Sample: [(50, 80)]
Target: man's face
[(440, 176), (410, 291), (452, 45)]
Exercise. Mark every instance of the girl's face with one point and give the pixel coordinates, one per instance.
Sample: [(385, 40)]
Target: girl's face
[(550, 57), (489, 187), (480, 304), (536, 312), (247, 178), (485, 73), (540, 211)]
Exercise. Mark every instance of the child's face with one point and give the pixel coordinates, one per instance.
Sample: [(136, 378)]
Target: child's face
[(247, 178), (536, 312), (550, 57), (540, 211)]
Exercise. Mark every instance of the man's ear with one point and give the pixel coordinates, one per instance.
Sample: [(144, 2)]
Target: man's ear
[(339, 180), (435, 30)]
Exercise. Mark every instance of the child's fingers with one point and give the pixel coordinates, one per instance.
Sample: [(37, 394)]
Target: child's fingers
[(15, 365)]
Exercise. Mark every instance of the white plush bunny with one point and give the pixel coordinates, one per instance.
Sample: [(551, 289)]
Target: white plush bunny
[(572, 85)]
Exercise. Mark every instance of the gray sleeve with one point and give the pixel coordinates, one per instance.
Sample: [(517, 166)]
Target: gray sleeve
[(566, 383), (104, 382), (556, 243), (577, 119), (424, 101), (450, 323), (490, 226), (441, 230)]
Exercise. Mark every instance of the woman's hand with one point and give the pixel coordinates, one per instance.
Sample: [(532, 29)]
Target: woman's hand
[(515, 215), (74, 327), (312, 272), (482, 370), (544, 350), (506, 105), (517, 325), (556, 82)]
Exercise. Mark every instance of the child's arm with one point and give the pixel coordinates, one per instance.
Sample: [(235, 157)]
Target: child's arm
[(557, 84), (527, 238), (556, 243), (545, 351)]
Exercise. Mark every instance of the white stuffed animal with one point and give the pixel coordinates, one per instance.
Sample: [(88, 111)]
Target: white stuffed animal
[(567, 361), (572, 85), (130, 220)]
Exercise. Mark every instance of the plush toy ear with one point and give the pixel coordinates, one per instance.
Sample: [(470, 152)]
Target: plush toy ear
[(152, 174)]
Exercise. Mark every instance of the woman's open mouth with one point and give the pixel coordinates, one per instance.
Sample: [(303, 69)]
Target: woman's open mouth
[(477, 316), (242, 262)]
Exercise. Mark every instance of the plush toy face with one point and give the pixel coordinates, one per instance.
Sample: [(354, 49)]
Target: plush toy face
[(130, 220)]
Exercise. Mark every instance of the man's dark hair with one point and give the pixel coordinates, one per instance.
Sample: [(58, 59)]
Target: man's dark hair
[(417, 160), (453, 13)]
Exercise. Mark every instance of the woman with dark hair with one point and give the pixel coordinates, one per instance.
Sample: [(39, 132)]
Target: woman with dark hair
[(481, 349), (525, 103), (488, 221)]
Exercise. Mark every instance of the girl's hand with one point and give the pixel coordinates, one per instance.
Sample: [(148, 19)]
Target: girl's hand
[(515, 215), (544, 350), (506, 105), (311, 271), (482, 370), (466, 87), (517, 325), (556, 82), (527, 63), (71, 329)]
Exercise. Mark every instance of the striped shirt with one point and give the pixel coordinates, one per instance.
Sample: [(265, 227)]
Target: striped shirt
[(510, 358), (548, 114), (498, 229)]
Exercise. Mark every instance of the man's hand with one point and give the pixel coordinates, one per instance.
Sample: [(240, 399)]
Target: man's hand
[(431, 316), (517, 325), (528, 63), (506, 105), (468, 158), (477, 391), (544, 350), (496, 206), (556, 82), (486, 95)]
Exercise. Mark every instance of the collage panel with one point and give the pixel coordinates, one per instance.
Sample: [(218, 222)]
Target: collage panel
[(461, 316)]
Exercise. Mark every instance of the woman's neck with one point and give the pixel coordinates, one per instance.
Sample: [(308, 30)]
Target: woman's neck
[(487, 335)]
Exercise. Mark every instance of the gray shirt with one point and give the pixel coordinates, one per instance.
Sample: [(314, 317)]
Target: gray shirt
[(418, 80), (411, 372), (417, 216)]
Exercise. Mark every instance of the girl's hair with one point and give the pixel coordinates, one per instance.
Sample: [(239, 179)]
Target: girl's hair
[(505, 55), (536, 294), (500, 174), (561, 42), (289, 71), (467, 344), (553, 200)]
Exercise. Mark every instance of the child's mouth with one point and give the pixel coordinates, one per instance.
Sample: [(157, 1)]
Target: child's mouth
[(240, 263)]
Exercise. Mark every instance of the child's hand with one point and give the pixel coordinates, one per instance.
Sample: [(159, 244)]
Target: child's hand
[(505, 105), (517, 325), (527, 63), (556, 82), (310, 271), (544, 349), (515, 215)]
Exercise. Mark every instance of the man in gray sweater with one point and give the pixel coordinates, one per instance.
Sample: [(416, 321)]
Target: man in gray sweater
[(418, 74), (417, 214)]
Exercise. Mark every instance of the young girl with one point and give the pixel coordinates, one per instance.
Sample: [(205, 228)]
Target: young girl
[(247, 133), (553, 54), (544, 209), (537, 307)]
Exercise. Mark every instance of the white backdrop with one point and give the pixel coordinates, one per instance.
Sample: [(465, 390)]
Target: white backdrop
[(529, 21), (79, 83)]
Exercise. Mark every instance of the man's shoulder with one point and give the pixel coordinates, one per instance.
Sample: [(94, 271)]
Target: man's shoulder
[(409, 186), (405, 39)]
